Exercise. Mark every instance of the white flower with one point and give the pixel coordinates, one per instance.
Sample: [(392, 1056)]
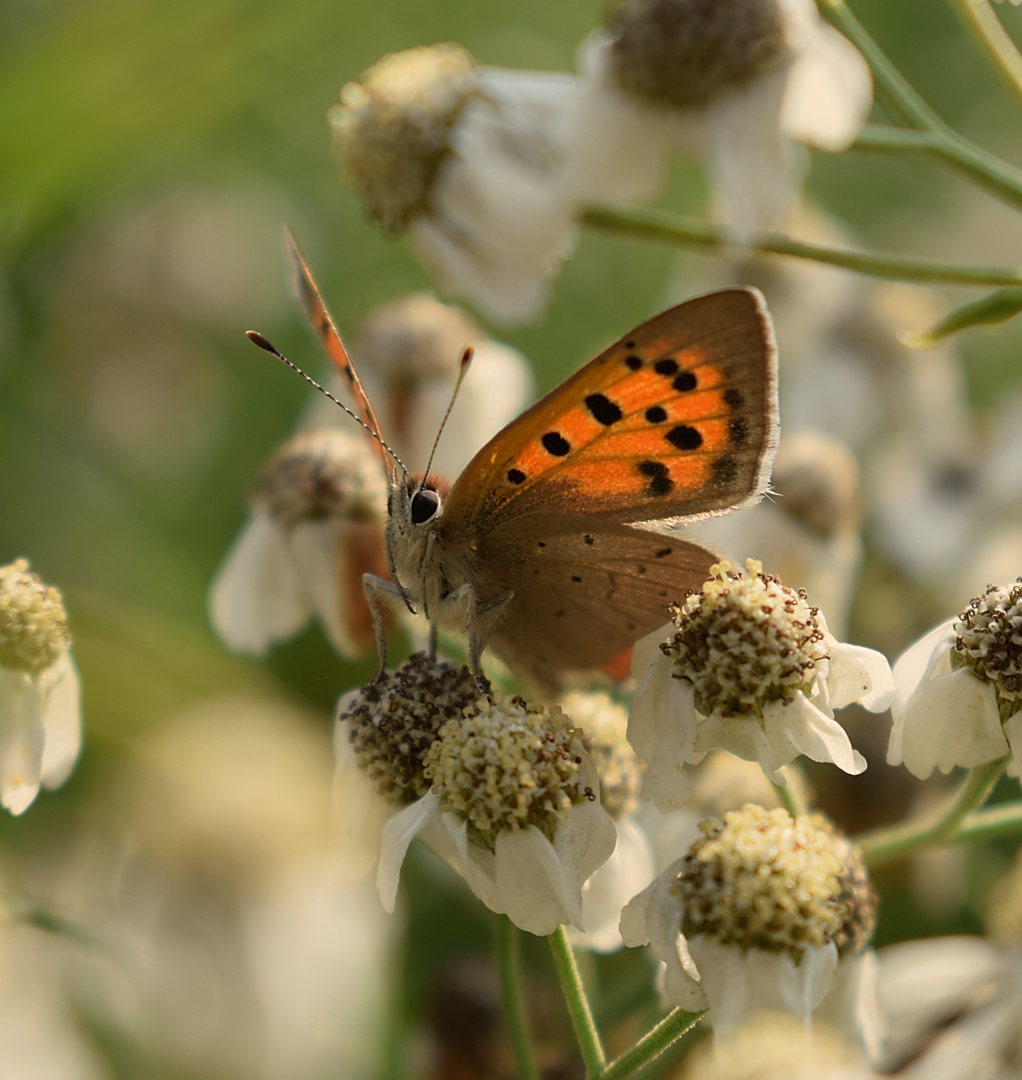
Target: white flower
[(736, 80), (514, 808), (407, 352), (466, 159), (750, 667), (762, 913), (40, 699), (953, 1006), (958, 697), (316, 526)]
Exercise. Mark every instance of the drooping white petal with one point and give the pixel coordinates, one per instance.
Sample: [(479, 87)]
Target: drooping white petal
[(852, 1005), (629, 869), (318, 554), (799, 727), (358, 813), (533, 883), (1012, 729), (257, 598), (662, 728), (742, 736), (22, 736), (397, 834), (919, 662), (829, 93), (62, 721), (738, 982), (475, 863), (755, 166), (950, 720), (859, 674), (618, 149)]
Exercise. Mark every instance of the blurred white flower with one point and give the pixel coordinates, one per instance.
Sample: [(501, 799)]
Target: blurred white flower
[(750, 667), (958, 689), (762, 913), (807, 529), (466, 159), (514, 809), (40, 698), (407, 353), (736, 80), (953, 1006), (316, 526)]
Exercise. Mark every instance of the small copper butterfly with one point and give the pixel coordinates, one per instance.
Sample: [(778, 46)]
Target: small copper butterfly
[(551, 547)]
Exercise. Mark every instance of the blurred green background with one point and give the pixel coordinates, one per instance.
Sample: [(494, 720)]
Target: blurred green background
[(150, 154)]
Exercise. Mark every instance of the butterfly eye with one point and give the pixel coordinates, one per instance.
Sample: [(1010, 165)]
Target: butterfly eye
[(425, 504)]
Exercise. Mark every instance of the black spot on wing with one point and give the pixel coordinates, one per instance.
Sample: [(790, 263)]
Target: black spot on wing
[(684, 382), (662, 553), (656, 415), (588, 539), (555, 443), (516, 476), (667, 366), (725, 470), (603, 410), (633, 363), (733, 397), (660, 482), (684, 437)]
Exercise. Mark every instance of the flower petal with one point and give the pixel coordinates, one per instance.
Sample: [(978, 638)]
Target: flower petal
[(859, 674), (755, 166), (799, 727), (533, 884), (661, 730), (318, 553), (397, 834), (257, 598), (829, 93), (950, 720), (22, 736), (918, 663), (62, 720)]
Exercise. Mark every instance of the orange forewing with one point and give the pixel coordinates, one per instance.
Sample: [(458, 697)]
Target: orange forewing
[(318, 317), (675, 420)]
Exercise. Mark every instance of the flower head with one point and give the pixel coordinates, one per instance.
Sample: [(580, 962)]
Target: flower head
[(680, 53), (736, 80), (749, 667), (514, 808), (959, 689), (40, 712), (467, 160), (316, 526), (390, 131), (393, 723), (757, 915)]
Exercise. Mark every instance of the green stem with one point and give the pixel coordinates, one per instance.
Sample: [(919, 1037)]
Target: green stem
[(948, 148), (943, 142), (1005, 820), (578, 1004), (651, 1045), (506, 936), (893, 842), (993, 41), (692, 233), (791, 794), (903, 98)]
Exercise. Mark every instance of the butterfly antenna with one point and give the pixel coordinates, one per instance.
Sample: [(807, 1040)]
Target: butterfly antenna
[(463, 365), (267, 346)]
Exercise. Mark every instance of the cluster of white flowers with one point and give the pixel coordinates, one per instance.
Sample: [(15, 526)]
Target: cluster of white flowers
[(488, 170)]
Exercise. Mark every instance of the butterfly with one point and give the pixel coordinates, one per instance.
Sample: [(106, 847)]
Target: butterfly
[(556, 547)]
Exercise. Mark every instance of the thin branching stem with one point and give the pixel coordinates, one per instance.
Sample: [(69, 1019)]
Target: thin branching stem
[(895, 841), (578, 1004), (993, 40), (702, 235)]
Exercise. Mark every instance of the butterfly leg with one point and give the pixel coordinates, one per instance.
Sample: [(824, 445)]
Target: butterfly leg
[(432, 641), (378, 592), (479, 621)]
